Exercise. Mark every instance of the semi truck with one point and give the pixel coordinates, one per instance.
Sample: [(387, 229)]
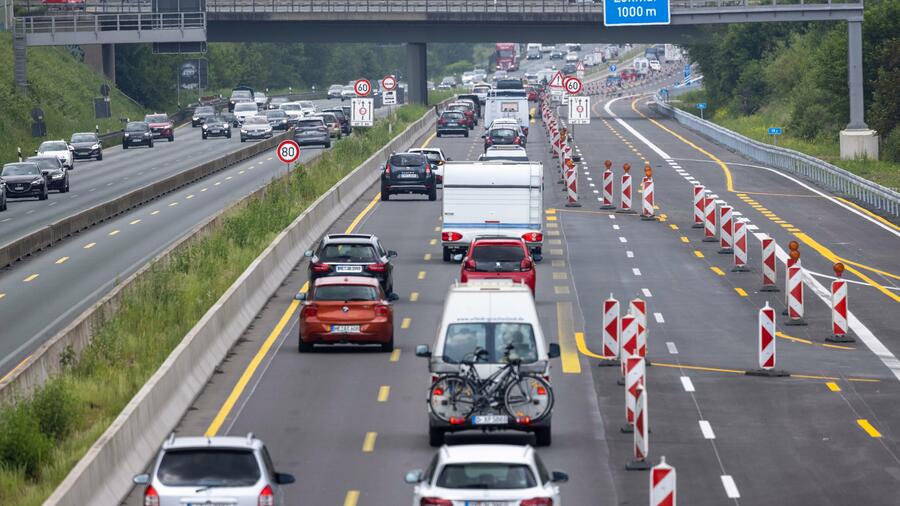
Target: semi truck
[(507, 56)]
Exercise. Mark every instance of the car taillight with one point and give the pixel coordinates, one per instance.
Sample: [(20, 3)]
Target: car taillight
[(435, 501), (376, 268), (387, 170), (450, 236), (525, 130), (151, 498), (427, 170), (470, 265), (463, 121), (266, 497), (442, 121), (309, 310), (537, 501), (533, 237), (382, 310), (517, 140), (488, 141), (526, 264)]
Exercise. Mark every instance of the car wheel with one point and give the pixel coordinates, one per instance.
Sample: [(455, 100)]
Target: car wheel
[(45, 194), (432, 194), (466, 133), (447, 254), (3, 207), (124, 146), (438, 134), (385, 195), (243, 139), (66, 187), (388, 346), (542, 436), (151, 143), (100, 156), (304, 347), (204, 136), (172, 138), (435, 437), (327, 145)]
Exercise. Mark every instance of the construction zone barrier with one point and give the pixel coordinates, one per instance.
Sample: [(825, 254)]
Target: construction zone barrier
[(571, 184), (627, 341), (635, 371), (626, 207), (740, 246), (641, 432), (699, 205), (795, 295), (647, 211), (839, 308), (726, 234), (608, 186), (662, 484), (610, 331), (766, 348), (709, 217), (769, 261)]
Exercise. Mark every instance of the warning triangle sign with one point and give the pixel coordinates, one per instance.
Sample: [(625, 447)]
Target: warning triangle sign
[(557, 81), (579, 67)]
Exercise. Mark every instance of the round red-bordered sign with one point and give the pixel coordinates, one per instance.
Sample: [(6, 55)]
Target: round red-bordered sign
[(389, 83), (572, 85), (288, 151), (362, 87)]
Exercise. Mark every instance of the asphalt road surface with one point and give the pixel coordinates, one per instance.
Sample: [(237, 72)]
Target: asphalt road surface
[(348, 423)]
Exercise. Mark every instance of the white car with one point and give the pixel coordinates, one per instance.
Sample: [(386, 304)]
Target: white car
[(244, 110), (508, 153), (293, 110), (59, 149), (347, 93), (655, 65), (468, 78), (262, 101), (571, 57), (437, 159), (486, 474), (308, 108)]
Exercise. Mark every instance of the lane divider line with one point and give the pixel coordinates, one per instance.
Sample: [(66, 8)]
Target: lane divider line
[(866, 426)]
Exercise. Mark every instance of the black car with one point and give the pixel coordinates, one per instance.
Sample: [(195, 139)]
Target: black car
[(501, 136), (86, 145), (452, 122), (217, 126), (2, 195), (556, 54), (408, 173), (278, 119), (54, 172), (352, 255), (202, 114), (569, 69), (338, 112), (137, 133), (231, 119), (24, 179)]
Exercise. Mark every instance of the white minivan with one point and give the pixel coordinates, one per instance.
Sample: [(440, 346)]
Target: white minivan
[(489, 322)]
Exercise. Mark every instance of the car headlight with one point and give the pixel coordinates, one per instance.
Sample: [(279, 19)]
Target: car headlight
[(95, 146), (127, 134), (38, 180), (57, 176), (146, 134), (196, 118), (205, 127), (243, 131)]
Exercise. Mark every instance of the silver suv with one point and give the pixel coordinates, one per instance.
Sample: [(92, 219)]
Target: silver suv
[(236, 471)]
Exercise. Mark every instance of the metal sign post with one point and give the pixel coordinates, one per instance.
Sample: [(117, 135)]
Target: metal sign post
[(701, 106), (775, 132)]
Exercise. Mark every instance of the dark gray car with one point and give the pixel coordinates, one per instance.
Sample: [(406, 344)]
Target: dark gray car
[(311, 131), (24, 179), (54, 172), (86, 145)]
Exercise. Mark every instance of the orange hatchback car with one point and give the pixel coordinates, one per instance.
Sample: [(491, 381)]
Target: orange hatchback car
[(346, 310)]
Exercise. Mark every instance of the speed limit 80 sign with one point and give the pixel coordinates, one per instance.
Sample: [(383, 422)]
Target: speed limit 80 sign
[(572, 85), (288, 151)]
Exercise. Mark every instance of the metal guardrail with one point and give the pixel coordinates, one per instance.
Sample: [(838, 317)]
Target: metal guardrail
[(836, 179), (96, 23)]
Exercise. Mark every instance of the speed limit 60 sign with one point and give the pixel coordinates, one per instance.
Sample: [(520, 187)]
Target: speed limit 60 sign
[(572, 85), (288, 151), (362, 87)]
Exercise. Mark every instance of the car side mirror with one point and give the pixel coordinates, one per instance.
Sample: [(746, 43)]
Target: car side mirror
[(287, 479), (391, 253), (141, 479), (559, 477), (35, 151), (301, 296), (553, 351), (414, 476), (393, 297), (308, 253), (422, 351)]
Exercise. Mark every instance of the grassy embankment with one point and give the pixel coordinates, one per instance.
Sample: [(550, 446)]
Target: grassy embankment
[(756, 127), (42, 438), (60, 85)]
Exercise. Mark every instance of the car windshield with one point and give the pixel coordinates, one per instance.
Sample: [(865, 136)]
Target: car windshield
[(345, 293), (241, 94), (156, 118), (84, 138), (487, 476), (310, 123), (290, 107), (215, 120), (328, 118), (208, 468), (275, 114), (505, 53), (344, 253), (407, 160), (256, 120), (464, 338), (136, 127), (53, 146), (206, 109), (244, 106), (45, 163), (21, 169), (335, 87)]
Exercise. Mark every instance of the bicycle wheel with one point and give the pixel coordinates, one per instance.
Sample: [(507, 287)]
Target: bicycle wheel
[(452, 397), (529, 397)]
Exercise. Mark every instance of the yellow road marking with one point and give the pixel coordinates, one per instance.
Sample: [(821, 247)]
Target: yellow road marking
[(779, 221), (557, 263), (866, 426), (135, 222), (351, 498), (383, 393), (2, 295), (395, 355), (414, 296), (560, 275), (114, 232), (189, 197), (353, 224), (866, 267), (369, 442), (792, 338), (786, 225), (561, 290), (16, 368), (432, 242), (793, 230), (834, 387), (61, 260), (807, 341), (173, 204), (427, 256), (740, 291), (550, 211), (31, 278), (698, 253), (550, 218), (717, 270), (685, 239), (565, 327), (229, 178), (870, 213), (673, 226), (204, 189), (90, 245), (405, 323), (421, 275)]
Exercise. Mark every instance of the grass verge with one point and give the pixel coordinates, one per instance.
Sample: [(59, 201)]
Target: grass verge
[(43, 437), (756, 127)]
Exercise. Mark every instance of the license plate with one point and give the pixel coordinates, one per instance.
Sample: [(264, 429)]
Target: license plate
[(348, 268), (215, 131), (490, 420), (408, 175), (345, 329), (487, 503)]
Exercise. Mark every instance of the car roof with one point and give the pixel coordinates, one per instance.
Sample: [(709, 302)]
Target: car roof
[(350, 238), (458, 454), (247, 442), (499, 241), (346, 280), (426, 150)]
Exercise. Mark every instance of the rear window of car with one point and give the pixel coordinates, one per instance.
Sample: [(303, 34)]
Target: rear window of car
[(487, 476), (276, 113), (432, 156), (338, 114), (206, 109), (345, 293), (464, 338), (503, 133), (310, 123), (208, 468), (245, 106), (452, 115), (156, 118), (329, 118), (352, 253), (407, 160), (497, 253)]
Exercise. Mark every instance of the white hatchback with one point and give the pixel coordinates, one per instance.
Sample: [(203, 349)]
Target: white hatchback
[(486, 475), (60, 149)]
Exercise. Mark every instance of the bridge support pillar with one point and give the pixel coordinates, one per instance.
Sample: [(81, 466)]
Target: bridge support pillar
[(101, 58), (417, 72), (857, 140)]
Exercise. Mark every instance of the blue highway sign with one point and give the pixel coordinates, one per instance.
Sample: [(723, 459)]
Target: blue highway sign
[(774, 130), (701, 105), (636, 12)]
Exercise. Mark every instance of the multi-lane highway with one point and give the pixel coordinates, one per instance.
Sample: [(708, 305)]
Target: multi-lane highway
[(88, 264), (349, 423)]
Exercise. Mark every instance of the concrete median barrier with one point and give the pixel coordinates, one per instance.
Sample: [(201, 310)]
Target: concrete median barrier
[(103, 475)]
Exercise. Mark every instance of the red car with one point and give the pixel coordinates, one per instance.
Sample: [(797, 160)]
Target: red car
[(67, 5), (161, 126), (532, 93), (344, 310), (468, 111), (499, 257)]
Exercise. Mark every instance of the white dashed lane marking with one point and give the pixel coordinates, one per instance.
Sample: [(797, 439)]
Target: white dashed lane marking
[(687, 384), (659, 318), (672, 349)]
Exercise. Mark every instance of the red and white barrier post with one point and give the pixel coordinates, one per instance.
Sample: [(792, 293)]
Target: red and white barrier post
[(765, 347), (610, 332), (769, 264), (635, 372), (626, 191), (726, 232), (793, 257), (627, 342), (699, 203), (571, 183), (638, 307), (608, 187), (795, 295), (740, 246), (839, 308), (647, 197), (709, 218), (662, 484), (641, 432)]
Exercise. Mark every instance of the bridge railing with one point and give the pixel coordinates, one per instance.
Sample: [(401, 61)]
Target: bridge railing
[(826, 175), (89, 22)]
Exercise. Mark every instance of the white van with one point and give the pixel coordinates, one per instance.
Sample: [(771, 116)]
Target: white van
[(492, 198), (508, 103), (642, 66), (493, 316)]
